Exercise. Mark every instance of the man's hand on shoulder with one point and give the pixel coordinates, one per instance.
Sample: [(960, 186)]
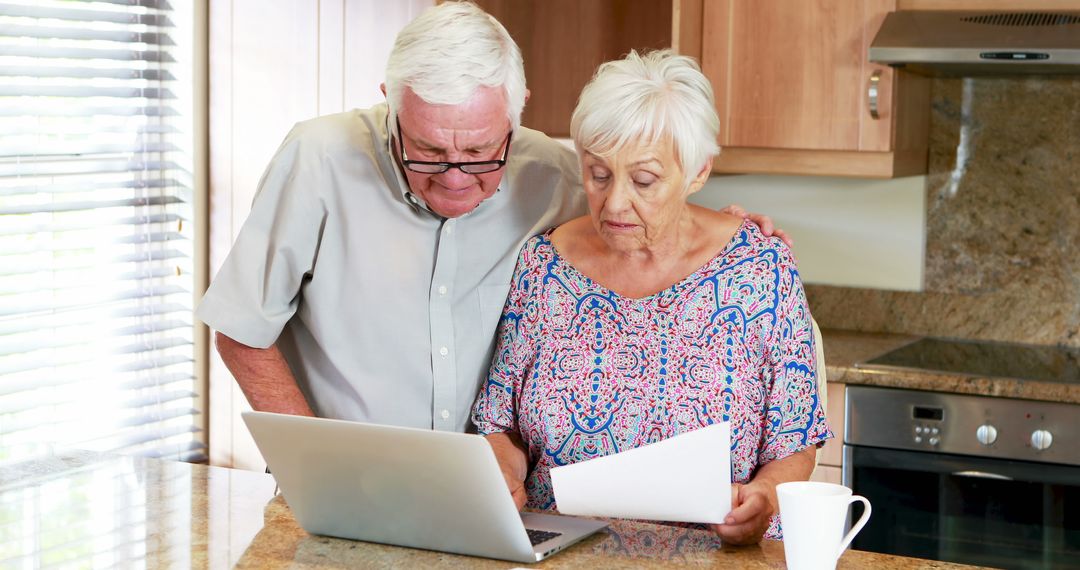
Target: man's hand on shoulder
[(764, 223)]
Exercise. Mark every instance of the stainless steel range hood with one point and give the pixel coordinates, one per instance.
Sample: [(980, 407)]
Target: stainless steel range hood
[(979, 43)]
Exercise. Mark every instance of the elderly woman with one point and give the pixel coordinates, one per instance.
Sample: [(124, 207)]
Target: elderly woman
[(651, 316)]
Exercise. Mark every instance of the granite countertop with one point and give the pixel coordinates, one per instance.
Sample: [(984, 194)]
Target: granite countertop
[(85, 509), (844, 348)]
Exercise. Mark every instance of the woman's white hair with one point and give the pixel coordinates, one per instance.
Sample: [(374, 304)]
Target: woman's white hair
[(645, 99), (449, 51)]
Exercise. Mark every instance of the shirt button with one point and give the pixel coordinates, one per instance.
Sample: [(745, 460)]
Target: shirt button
[(442, 289), (444, 351), (448, 228), (445, 414)]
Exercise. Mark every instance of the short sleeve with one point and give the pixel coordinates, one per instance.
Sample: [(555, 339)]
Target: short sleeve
[(257, 289), (795, 418), (496, 406)]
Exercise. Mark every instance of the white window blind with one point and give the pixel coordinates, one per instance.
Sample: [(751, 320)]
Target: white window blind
[(96, 196)]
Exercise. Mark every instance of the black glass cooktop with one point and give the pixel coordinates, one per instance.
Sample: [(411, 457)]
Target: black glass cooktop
[(1029, 362)]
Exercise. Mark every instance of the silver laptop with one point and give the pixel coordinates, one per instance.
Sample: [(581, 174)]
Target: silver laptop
[(409, 487)]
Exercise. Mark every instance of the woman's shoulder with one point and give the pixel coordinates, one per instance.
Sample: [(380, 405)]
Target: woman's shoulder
[(536, 250), (543, 252), (568, 235), (718, 229)]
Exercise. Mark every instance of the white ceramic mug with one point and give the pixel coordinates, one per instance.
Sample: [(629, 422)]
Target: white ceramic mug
[(812, 516)]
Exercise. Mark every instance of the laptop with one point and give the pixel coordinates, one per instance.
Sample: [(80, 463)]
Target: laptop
[(404, 486)]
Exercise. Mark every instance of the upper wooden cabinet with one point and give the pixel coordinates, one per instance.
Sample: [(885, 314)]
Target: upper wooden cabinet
[(791, 76), (796, 94), (563, 42)]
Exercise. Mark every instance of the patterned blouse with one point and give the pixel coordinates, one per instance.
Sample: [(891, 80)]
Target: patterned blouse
[(582, 372)]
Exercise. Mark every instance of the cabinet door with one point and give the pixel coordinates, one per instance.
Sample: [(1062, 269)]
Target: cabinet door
[(563, 41), (793, 73), (792, 82)]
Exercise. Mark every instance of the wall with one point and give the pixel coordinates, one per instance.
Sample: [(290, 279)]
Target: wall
[(1003, 221), (848, 231)]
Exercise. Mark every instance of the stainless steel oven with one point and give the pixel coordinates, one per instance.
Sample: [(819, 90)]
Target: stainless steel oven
[(968, 479)]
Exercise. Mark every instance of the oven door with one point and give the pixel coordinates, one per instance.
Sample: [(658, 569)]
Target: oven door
[(990, 512)]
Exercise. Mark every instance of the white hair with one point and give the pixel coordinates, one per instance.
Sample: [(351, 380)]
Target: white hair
[(644, 99), (449, 51)]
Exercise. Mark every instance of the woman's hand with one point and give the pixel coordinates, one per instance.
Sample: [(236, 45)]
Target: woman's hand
[(752, 505), (513, 461), (764, 223)]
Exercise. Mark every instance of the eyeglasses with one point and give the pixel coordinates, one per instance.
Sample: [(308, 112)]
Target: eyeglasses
[(478, 167)]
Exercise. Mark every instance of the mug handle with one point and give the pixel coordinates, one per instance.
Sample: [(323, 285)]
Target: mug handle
[(858, 525)]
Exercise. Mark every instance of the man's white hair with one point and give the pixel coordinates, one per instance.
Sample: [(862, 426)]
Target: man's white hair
[(646, 99), (449, 51)]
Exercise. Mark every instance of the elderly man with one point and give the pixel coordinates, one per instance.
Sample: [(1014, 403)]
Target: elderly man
[(369, 277)]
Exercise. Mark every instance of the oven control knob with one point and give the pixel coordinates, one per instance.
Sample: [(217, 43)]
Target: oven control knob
[(986, 434), (1041, 439)]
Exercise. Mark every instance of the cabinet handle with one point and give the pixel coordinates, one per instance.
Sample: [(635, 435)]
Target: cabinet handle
[(872, 93)]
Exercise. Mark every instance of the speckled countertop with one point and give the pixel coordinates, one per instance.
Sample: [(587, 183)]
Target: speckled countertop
[(89, 510), (844, 348)]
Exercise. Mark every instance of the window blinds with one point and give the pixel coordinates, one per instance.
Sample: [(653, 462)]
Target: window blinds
[(96, 198)]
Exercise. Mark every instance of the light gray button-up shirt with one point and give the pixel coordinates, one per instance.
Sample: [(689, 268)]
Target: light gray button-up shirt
[(384, 311)]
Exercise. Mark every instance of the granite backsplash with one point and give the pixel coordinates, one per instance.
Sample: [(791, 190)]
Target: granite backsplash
[(1003, 226)]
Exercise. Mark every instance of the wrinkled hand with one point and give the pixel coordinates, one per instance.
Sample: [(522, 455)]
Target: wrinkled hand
[(516, 486), (752, 505), (510, 454), (763, 222)]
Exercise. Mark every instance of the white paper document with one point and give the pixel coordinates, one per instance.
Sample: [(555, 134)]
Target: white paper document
[(686, 478)]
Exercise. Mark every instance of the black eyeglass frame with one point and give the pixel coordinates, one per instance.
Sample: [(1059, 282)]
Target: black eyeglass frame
[(466, 167)]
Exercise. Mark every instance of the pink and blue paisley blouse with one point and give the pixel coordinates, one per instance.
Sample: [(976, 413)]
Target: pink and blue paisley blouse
[(582, 372)]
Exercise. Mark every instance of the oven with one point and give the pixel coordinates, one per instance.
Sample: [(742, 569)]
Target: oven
[(967, 479)]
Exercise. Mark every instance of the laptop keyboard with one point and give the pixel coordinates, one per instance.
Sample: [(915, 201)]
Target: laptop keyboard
[(538, 536)]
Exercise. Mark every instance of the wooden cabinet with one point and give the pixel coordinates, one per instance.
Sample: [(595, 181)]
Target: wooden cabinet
[(790, 76), (563, 41), (793, 83), (830, 456)]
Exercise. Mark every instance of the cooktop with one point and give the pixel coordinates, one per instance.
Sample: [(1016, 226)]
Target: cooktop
[(1006, 360)]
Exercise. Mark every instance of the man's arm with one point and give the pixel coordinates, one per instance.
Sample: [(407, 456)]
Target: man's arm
[(513, 461), (264, 377)]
